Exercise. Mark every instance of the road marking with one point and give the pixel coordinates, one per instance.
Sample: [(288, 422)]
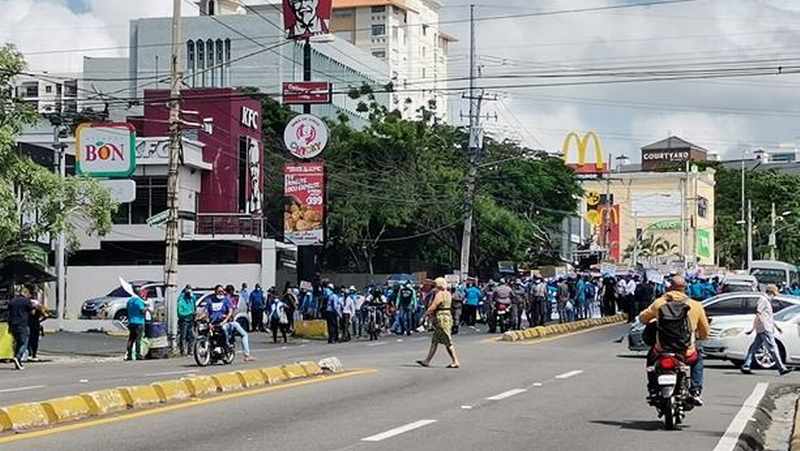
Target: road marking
[(507, 394), (466, 407), (181, 406), (569, 374), (730, 439), (170, 373), (397, 431), (11, 390), (380, 343), (537, 384)]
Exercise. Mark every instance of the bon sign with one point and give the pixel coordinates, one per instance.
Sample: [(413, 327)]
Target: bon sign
[(105, 150), (306, 136)]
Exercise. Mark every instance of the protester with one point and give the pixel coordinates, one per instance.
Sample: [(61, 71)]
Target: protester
[(278, 320), (186, 312), (257, 306), (332, 313), (290, 299), (20, 309), (563, 300), (406, 305), (37, 316), (765, 327), (439, 311), (136, 308), (348, 311), (473, 300), (244, 295)]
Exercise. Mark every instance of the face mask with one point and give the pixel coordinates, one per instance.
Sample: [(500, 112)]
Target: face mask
[(220, 297)]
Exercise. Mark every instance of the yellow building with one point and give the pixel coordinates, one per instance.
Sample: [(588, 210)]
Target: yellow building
[(672, 214)]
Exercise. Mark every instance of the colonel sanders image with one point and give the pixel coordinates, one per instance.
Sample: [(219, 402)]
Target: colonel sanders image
[(306, 18)]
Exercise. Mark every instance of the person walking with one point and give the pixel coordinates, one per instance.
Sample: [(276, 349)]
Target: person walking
[(563, 300), (244, 295), (278, 320), (257, 306), (348, 312), (539, 303), (187, 308), (136, 308), (630, 297), (439, 311), (473, 299), (37, 317), (20, 309), (290, 299), (765, 327), (332, 313)]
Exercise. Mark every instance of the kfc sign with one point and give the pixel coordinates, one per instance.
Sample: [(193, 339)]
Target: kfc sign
[(306, 136), (250, 118), (305, 18)]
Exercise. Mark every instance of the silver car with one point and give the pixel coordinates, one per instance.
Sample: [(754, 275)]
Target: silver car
[(727, 304), (114, 305)]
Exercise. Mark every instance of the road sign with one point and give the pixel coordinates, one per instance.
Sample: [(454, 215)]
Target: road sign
[(306, 136), (105, 149), (158, 219), (122, 191), (307, 92)]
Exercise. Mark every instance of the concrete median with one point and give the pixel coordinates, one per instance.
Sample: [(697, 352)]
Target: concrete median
[(315, 330), (227, 381), (103, 402), (533, 333), (251, 378), (22, 416), (172, 390), (200, 386), (68, 408), (139, 396), (273, 375), (294, 371)]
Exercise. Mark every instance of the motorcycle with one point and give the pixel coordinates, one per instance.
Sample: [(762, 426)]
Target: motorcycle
[(211, 345), (500, 316), (672, 400), (374, 322)]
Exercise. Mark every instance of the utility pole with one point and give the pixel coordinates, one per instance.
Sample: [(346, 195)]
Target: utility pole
[(475, 149), (61, 241), (173, 202), (749, 234), (744, 222), (772, 238)]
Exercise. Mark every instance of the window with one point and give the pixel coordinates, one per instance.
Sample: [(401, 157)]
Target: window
[(379, 30), (243, 147), (726, 307), (379, 54), (210, 7), (220, 60), (379, 9), (48, 89), (210, 62), (190, 59), (31, 89), (343, 12), (424, 30), (151, 199), (423, 51), (423, 72), (702, 206), (395, 33), (201, 62)]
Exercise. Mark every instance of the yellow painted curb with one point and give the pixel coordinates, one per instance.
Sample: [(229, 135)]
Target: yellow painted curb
[(293, 371), (794, 439), (312, 368), (139, 396), (251, 378), (172, 390), (102, 402), (317, 329), (273, 375), (227, 381), (200, 385), (68, 408), (22, 416)]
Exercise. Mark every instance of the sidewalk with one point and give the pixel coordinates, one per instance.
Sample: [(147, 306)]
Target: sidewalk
[(82, 344)]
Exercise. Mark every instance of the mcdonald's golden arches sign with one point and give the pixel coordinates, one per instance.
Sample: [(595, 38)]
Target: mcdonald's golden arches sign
[(582, 143)]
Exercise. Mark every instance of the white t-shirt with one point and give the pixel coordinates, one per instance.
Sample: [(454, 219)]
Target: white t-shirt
[(630, 288)]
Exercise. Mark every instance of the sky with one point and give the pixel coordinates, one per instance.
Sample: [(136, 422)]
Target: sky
[(727, 116)]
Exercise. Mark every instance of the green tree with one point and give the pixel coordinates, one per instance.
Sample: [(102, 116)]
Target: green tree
[(36, 203)]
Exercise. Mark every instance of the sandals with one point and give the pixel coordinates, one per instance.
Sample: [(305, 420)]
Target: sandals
[(453, 366), (422, 364)]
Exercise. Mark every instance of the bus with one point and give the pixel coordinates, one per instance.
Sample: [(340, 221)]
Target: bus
[(774, 272)]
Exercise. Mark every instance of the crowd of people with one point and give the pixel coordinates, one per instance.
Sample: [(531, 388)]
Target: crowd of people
[(26, 313)]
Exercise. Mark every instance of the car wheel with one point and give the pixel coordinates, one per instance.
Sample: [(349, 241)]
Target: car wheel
[(763, 359), (122, 317)]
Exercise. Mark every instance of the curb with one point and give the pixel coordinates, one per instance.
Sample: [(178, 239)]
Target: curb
[(22, 417), (533, 333), (794, 439)]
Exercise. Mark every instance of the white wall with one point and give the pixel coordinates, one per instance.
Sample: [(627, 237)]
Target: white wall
[(85, 282)]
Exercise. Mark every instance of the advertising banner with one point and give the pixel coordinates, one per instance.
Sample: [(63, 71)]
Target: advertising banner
[(307, 92), (105, 149), (304, 214), (303, 19), (306, 136)]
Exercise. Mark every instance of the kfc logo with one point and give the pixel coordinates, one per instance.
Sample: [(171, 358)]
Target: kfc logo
[(305, 18)]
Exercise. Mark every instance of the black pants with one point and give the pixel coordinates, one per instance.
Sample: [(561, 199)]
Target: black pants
[(275, 325), (332, 320), (257, 320), (537, 312), (134, 334), (186, 334), (35, 331)]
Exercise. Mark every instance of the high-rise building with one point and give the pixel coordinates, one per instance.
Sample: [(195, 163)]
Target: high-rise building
[(405, 34), (51, 93)]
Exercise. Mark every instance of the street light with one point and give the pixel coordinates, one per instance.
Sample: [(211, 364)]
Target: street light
[(773, 242)]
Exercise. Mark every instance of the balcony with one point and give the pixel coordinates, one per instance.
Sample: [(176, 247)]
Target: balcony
[(229, 224)]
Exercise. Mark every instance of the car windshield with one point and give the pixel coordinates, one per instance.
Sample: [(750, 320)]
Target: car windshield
[(765, 276), (734, 288), (118, 292), (788, 314)]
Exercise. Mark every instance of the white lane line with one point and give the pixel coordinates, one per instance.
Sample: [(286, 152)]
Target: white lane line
[(507, 394), (730, 439), (169, 373), (466, 407), (380, 343), (11, 390), (537, 384), (569, 374), (397, 431)]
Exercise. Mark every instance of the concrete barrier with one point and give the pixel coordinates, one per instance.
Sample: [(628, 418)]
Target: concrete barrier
[(103, 402), (251, 378), (312, 368), (68, 408), (172, 390), (139, 396), (293, 371), (200, 385), (227, 381), (274, 375), (316, 329), (22, 416)]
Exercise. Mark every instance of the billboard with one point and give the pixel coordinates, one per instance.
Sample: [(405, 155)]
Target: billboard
[(253, 174), (305, 136), (304, 212), (105, 149), (582, 144), (307, 92), (305, 18)]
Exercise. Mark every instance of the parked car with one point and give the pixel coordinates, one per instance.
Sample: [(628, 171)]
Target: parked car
[(738, 283), (114, 304), (729, 340), (242, 311), (721, 305)]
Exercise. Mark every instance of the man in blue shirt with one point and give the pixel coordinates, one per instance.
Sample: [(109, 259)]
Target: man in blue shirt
[(333, 309), (136, 308), (471, 302), (257, 305)]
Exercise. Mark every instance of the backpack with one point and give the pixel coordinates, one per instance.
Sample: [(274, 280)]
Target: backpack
[(674, 334)]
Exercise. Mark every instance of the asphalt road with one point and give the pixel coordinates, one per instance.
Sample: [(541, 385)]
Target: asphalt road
[(577, 392)]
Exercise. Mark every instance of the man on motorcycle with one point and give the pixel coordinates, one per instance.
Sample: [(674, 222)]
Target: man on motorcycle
[(698, 329), (503, 294), (220, 313)]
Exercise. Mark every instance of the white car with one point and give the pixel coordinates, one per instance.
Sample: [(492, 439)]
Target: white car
[(728, 339)]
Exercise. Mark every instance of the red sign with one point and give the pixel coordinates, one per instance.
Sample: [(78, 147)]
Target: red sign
[(305, 18), (307, 92), (304, 212)]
